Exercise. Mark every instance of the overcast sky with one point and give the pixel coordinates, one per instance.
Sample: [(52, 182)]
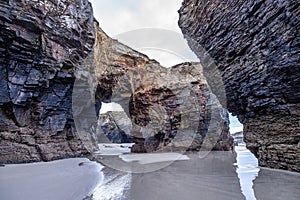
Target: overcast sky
[(151, 27), (118, 16)]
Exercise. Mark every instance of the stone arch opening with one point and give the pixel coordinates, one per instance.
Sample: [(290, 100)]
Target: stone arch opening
[(121, 74)]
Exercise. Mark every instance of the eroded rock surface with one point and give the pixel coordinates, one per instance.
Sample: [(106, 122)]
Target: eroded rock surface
[(170, 109), (58, 66), (255, 48), (116, 126), (41, 44)]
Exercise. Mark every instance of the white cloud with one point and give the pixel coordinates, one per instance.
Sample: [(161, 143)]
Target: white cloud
[(167, 58), (117, 17)]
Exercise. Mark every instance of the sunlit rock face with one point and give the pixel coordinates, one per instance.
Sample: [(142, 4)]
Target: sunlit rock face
[(41, 44), (170, 108), (255, 48)]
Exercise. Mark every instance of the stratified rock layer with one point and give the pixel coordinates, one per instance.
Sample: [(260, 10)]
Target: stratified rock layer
[(116, 126), (255, 48), (58, 66), (170, 109), (41, 44)]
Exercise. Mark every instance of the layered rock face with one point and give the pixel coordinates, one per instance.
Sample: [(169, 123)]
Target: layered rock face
[(58, 66), (170, 109), (255, 49), (41, 44), (116, 126)]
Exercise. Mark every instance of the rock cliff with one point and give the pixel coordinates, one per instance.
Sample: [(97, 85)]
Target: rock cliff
[(41, 44), (115, 126), (170, 109), (58, 66), (255, 48)]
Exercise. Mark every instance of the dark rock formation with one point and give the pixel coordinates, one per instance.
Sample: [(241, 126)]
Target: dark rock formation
[(255, 48), (58, 66), (171, 109), (116, 126), (41, 44)]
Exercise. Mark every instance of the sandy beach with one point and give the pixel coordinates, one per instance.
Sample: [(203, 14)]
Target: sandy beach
[(218, 175), (68, 179)]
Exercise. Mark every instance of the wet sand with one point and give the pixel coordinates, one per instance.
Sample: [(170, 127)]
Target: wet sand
[(213, 177), (68, 179), (272, 184)]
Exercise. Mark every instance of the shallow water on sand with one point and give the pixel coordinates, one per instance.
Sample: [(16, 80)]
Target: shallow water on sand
[(247, 170), (211, 177), (219, 175)]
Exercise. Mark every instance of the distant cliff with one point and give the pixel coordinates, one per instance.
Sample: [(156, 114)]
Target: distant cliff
[(255, 47), (115, 126)]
